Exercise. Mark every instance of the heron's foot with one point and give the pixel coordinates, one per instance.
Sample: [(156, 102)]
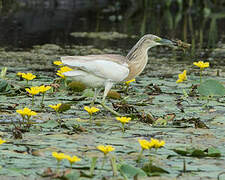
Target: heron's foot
[(110, 109)]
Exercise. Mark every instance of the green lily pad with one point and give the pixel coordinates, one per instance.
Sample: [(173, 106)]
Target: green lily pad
[(213, 152), (131, 171), (151, 169), (50, 124), (74, 175), (209, 152), (211, 88), (88, 93), (3, 85)]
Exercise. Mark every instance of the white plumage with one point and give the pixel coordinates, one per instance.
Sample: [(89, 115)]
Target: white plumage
[(96, 70), (107, 69)]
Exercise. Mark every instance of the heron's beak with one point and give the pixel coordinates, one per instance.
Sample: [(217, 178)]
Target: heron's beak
[(167, 42)]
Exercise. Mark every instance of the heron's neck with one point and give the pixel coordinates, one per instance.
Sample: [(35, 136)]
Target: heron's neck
[(137, 60)]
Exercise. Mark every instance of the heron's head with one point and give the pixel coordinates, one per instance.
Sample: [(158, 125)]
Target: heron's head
[(150, 40)]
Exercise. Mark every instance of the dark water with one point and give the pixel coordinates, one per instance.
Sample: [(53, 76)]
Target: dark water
[(24, 23)]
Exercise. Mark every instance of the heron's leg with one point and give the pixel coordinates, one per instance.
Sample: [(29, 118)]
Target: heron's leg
[(108, 86), (97, 90)]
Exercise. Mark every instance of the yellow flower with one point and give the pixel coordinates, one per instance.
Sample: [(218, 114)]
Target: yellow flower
[(123, 119), (58, 63), (31, 113), (105, 149), (59, 156), (28, 76), (201, 64), (91, 110), (2, 141), (33, 90), (72, 159), (19, 74), (182, 77), (64, 69), (128, 82), (55, 107), (60, 74), (43, 88), (26, 112), (156, 143), (144, 143)]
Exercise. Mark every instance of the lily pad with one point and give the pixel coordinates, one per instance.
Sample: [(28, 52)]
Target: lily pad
[(131, 171), (50, 124), (3, 85), (211, 88)]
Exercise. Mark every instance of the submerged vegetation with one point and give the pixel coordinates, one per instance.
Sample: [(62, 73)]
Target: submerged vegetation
[(141, 164)]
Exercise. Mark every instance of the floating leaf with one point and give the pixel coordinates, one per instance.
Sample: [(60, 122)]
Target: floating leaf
[(209, 152), (213, 152), (211, 88), (160, 122), (74, 175), (180, 151), (151, 169), (3, 85), (88, 93), (50, 124), (198, 153), (131, 171)]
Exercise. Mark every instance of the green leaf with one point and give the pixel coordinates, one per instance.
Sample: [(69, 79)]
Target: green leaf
[(149, 168), (88, 93), (198, 153), (131, 171), (93, 165), (74, 175), (180, 151), (3, 85), (50, 124), (213, 152), (160, 122), (211, 88)]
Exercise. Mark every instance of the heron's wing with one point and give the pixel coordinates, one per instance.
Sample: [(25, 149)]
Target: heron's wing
[(104, 66)]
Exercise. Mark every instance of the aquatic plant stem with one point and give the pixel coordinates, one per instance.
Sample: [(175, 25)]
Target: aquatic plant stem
[(28, 121), (65, 83), (109, 109), (140, 155), (60, 123), (42, 100), (123, 130), (200, 76), (58, 164), (126, 89), (114, 165), (32, 101), (90, 118), (103, 162)]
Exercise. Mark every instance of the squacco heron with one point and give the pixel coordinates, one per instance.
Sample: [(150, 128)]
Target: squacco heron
[(106, 69)]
